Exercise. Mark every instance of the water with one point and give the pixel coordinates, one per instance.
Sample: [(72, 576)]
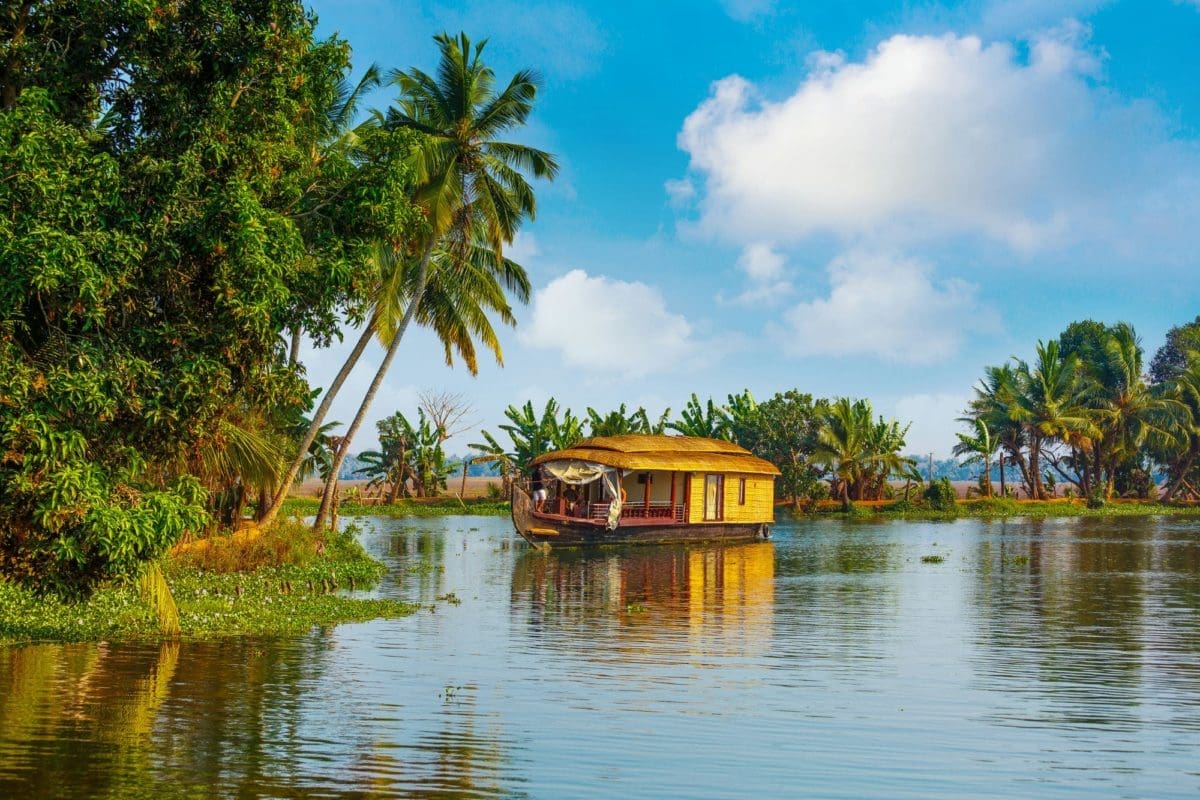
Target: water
[(1054, 658)]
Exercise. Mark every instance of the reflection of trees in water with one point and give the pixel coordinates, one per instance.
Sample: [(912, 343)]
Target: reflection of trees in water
[(101, 720), (77, 719), (464, 758), (417, 556), (722, 596), (1086, 608)]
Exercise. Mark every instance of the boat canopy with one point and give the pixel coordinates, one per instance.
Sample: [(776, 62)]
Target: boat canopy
[(635, 451)]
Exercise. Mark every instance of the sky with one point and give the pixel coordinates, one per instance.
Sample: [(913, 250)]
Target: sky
[(872, 199)]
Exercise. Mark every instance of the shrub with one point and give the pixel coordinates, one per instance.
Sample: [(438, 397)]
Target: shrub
[(494, 492), (286, 543), (1096, 498), (941, 495)]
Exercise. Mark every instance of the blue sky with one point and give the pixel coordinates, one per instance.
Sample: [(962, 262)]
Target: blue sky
[(857, 198)]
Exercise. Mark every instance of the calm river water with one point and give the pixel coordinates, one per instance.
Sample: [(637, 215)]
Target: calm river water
[(1040, 659)]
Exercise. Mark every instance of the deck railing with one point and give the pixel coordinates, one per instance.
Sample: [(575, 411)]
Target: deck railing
[(660, 510)]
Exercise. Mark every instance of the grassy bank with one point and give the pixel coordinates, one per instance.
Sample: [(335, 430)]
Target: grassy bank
[(914, 509), (420, 507), (284, 581), (994, 508)]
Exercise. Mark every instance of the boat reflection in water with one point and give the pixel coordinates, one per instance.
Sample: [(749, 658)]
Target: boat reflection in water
[(715, 600)]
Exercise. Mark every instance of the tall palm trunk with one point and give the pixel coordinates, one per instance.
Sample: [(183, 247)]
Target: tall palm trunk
[(339, 455), (318, 420), (1036, 491)]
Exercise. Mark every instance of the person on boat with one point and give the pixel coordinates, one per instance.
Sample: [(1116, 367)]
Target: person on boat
[(571, 496), (538, 486)]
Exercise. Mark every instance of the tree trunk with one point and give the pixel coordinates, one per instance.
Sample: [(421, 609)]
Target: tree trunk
[(264, 502), (1003, 485), (1035, 470), (333, 523), (294, 355), (1176, 484), (318, 420), (343, 449), (11, 76)]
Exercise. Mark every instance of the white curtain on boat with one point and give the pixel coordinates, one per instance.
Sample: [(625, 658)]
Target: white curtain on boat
[(578, 473)]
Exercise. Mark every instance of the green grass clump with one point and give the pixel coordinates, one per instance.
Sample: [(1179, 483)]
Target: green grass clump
[(932, 559), (265, 587)]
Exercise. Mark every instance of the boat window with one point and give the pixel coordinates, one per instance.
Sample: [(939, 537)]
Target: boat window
[(714, 491), (741, 491)]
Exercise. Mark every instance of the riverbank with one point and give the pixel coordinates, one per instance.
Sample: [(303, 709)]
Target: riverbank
[(282, 582), (992, 508), (409, 507), (914, 509)]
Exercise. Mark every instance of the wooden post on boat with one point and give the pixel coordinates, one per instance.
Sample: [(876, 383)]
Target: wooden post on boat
[(673, 474), (646, 494)]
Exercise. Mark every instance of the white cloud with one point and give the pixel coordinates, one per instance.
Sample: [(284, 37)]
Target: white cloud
[(761, 263), (932, 137), (601, 325), (680, 191), (889, 307), (934, 422), (764, 268)]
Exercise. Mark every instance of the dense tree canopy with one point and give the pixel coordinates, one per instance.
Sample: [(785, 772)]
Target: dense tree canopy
[(167, 211)]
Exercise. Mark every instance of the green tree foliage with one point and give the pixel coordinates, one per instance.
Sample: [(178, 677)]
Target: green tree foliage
[(1085, 409), (714, 421), (979, 448), (940, 495), (620, 421), (407, 454), (163, 221), (860, 452), (1172, 358), (707, 420), (530, 435), (783, 430)]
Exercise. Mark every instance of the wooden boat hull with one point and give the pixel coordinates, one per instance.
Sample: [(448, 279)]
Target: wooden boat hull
[(545, 532)]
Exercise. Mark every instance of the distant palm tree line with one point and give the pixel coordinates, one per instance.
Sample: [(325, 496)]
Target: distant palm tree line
[(1086, 413), (822, 447)]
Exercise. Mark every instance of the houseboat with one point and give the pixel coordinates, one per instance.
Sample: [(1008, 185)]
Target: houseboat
[(642, 489)]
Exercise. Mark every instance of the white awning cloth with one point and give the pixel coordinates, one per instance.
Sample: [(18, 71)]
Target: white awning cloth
[(578, 473)]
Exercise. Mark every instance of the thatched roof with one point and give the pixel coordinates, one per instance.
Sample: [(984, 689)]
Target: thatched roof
[(680, 453)]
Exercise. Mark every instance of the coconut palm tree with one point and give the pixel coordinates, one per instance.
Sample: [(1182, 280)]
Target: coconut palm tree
[(470, 185), (995, 397), (979, 448), (1183, 455), (466, 285), (1049, 405), (843, 444), (1126, 411)]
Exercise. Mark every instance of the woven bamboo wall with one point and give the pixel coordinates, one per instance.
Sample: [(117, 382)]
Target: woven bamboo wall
[(760, 499)]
